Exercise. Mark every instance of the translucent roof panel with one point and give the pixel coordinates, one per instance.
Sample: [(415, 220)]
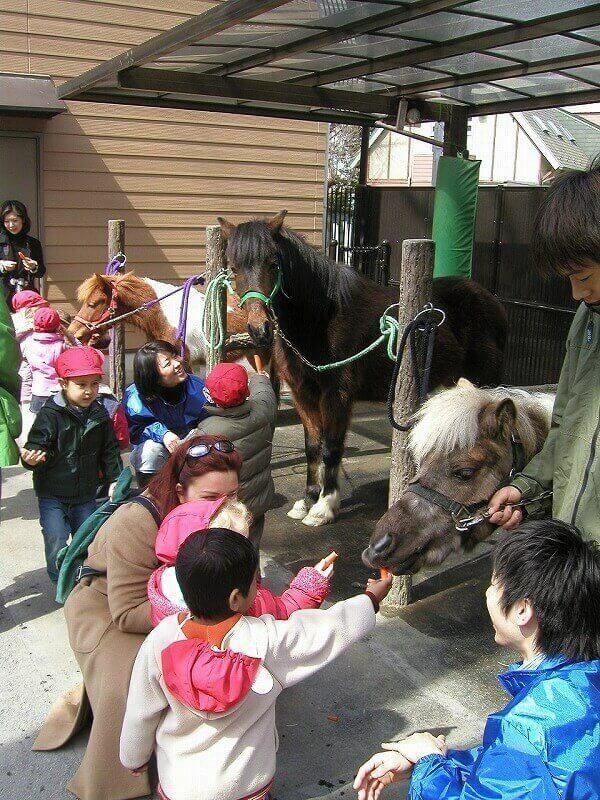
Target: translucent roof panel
[(316, 13), (520, 11), (591, 73), (480, 93), (406, 76), (265, 36), (269, 73), (543, 49), (370, 46), (590, 33), (545, 83), (467, 63), (315, 62), (444, 26)]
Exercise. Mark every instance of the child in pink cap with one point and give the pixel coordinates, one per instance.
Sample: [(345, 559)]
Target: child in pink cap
[(308, 589), (42, 350)]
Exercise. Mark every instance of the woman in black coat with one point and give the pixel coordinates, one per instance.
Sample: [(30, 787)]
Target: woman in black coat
[(21, 256)]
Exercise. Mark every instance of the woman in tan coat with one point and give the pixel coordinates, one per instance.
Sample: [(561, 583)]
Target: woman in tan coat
[(108, 614)]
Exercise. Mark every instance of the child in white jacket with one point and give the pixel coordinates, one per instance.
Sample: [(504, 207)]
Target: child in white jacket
[(204, 685)]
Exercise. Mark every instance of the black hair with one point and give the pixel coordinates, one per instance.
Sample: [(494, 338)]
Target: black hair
[(567, 225), (548, 562), (212, 563), (17, 208), (145, 371)]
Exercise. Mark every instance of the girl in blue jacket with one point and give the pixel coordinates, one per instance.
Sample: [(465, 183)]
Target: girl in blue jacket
[(162, 405), (545, 744)]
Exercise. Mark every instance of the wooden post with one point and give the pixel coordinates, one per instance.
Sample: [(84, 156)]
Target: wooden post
[(415, 290), (116, 351), (215, 263)]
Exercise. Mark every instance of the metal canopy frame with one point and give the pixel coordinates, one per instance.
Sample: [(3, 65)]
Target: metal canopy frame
[(258, 57)]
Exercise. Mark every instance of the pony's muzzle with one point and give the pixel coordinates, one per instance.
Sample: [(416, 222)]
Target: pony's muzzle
[(262, 335)]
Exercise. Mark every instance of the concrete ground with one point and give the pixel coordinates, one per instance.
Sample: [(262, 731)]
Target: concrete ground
[(431, 668)]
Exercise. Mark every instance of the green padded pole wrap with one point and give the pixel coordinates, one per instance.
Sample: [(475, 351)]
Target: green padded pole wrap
[(454, 216)]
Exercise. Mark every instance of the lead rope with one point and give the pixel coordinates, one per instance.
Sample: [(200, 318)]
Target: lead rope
[(212, 324), (181, 333), (427, 322)]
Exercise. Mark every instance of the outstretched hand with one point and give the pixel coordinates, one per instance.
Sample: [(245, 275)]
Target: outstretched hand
[(380, 587), (380, 771), (417, 746), (33, 457)]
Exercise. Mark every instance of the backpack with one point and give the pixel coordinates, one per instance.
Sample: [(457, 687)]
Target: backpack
[(70, 559)]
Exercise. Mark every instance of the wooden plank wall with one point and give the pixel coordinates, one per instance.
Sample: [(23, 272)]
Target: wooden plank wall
[(167, 173)]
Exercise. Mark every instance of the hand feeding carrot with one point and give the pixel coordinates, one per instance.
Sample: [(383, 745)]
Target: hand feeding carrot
[(327, 562), (384, 573)]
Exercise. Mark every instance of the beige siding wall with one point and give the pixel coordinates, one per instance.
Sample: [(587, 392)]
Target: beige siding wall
[(167, 173)]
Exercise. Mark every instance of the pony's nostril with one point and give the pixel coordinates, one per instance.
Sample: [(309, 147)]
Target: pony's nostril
[(383, 544)]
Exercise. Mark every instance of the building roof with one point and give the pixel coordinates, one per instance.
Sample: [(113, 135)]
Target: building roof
[(29, 96), (352, 61), (565, 140)]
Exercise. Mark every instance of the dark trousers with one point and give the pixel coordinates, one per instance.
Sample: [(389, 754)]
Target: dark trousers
[(59, 521)]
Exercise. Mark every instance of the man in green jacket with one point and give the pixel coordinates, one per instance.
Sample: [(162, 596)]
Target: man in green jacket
[(567, 241)]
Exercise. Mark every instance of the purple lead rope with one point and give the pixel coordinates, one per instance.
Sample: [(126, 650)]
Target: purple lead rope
[(114, 265), (183, 312)]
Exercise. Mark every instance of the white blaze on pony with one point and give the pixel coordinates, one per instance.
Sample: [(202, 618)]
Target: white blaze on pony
[(465, 442)]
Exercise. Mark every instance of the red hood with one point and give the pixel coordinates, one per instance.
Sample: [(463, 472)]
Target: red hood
[(205, 678)]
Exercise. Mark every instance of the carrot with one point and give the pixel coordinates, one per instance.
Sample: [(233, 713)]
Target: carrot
[(330, 559), (385, 573), (22, 255), (258, 363)]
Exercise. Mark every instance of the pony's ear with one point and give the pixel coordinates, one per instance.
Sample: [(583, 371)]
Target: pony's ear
[(226, 226), (498, 419), (277, 221)]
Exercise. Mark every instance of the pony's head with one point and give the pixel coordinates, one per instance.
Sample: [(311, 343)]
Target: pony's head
[(253, 256), (95, 295), (465, 442)]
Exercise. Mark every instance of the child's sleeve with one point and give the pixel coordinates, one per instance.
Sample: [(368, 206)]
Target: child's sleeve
[(146, 703), (42, 436), (312, 638), (308, 590), (121, 428)]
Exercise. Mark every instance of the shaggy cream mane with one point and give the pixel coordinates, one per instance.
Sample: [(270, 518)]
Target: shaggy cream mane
[(450, 419)]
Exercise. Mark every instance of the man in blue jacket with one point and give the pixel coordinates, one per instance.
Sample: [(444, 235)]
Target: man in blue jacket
[(544, 602)]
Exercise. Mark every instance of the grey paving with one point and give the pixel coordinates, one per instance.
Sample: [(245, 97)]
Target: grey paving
[(432, 668)]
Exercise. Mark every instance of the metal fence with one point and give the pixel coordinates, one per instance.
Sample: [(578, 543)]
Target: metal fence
[(539, 311)]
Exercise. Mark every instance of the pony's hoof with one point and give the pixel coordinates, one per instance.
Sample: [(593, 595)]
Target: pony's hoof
[(324, 511), (299, 510)]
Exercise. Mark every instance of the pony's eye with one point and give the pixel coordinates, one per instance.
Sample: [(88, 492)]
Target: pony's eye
[(464, 474)]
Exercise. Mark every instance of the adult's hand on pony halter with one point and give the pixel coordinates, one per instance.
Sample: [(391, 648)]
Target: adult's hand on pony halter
[(501, 512), (171, 441), (380, 587), (378, 772)]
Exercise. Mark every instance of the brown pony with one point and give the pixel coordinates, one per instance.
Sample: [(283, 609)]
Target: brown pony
[(326, 312), (466, 442), (127, 291)]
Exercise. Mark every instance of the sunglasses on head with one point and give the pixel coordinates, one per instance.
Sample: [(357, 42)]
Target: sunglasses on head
[(201, 449)]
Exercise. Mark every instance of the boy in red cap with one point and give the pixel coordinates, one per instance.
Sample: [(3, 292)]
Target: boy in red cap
[(243, 409), (71, 448)]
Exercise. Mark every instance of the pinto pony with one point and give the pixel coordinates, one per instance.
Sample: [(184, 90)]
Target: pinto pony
[(326, 312), (127, 292), (466, 443)]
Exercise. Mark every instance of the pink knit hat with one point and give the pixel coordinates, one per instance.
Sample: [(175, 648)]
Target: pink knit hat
[(181, 523), (28, 299), (46, 320)]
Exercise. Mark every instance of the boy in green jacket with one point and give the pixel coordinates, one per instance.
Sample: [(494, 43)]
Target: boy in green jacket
[(71, 448), (567, 242)]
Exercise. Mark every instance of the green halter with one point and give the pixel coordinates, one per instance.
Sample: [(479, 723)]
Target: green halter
[(255, 294)]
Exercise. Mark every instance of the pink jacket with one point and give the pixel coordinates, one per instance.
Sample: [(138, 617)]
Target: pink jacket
[(308, 590), (41, 351)]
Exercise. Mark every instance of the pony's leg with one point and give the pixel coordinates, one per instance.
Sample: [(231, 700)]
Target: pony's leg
[(313, 441), (336, 417)]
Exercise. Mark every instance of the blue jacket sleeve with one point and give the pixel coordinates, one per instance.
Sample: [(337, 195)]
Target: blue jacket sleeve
[(143, 424), (498, 772)]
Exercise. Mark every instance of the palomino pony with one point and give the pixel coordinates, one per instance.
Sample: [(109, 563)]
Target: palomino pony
[(466, 443), (160, 321), (326, 312)]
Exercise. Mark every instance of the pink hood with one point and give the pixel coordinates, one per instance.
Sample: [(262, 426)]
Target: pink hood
[(181, 523), (207, 679)]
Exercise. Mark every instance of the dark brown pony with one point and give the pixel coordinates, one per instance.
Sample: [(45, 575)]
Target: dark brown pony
[(328, 312)]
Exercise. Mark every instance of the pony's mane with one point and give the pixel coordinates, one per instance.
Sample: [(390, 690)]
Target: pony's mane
[(449, 420), (132, 289), (253, 243)]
